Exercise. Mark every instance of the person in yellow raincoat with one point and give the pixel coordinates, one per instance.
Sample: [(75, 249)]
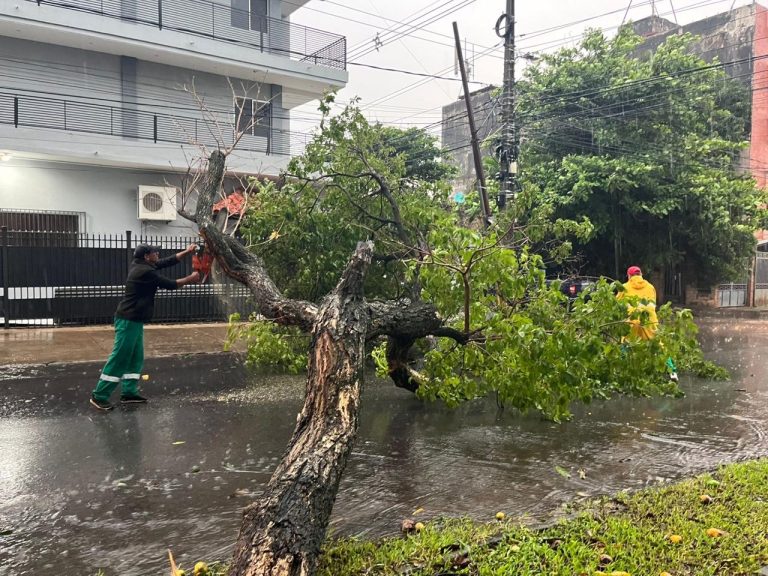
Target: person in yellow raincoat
[(643, 325)]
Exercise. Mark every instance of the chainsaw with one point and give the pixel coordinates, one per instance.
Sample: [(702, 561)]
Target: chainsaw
[(202, 262)]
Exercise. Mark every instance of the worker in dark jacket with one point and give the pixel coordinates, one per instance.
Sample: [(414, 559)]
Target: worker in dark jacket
[(135, 309)]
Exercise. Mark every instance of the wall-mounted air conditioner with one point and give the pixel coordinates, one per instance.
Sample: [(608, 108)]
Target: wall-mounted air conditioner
[(157, 203)]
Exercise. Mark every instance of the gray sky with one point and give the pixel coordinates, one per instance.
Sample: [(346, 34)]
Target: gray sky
[(540, 25)]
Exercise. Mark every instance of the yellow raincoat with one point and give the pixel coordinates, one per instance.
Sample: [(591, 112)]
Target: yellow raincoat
[(643, 326)]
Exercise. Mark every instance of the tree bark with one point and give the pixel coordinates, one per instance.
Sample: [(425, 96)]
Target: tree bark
[(282, 534)]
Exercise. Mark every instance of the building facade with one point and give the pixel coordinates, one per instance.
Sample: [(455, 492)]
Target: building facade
[(105, 104), (456, 136)]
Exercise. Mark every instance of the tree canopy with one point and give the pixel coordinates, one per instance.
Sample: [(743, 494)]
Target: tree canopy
[(507, 331), (649, 148)]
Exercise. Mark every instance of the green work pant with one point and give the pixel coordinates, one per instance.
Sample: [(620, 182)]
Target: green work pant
[(125, 363), (671, 365)]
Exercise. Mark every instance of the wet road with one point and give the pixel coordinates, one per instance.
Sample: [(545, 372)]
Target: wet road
[(81, 490)]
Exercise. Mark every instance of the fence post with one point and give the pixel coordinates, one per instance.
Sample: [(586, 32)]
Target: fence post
[(154, 122), (160, 14), (128, 241), (4, 249), (15, 111)]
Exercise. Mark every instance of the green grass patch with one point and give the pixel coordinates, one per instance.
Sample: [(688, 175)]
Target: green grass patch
[(626, 534)]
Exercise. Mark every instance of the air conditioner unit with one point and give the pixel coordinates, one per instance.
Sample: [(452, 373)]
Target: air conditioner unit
[(157, 203)]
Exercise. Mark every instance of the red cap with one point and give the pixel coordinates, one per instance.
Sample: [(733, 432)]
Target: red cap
[(634, 271)]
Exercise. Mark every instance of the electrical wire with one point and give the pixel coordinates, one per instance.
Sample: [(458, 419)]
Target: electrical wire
[(400, 34)]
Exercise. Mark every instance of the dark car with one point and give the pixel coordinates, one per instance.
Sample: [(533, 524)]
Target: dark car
[(574, 285)]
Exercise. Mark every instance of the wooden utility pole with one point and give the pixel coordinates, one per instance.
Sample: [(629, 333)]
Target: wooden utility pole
[(473, 134), (507, 150)]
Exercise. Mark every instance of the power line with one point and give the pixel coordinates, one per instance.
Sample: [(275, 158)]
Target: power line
[(411, 22), (411, 27), (375, 26), (400, 34), (526, 48), (411, 73)]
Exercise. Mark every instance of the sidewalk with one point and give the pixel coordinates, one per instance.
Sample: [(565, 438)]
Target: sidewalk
[(753, 313), (94, 343)]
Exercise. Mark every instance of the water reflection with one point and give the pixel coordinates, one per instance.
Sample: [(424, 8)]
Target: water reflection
[(83, 491)]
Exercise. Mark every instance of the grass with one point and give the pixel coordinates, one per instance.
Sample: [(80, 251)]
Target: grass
[(627, 534)]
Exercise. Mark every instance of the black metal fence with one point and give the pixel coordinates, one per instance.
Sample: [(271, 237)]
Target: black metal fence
[(59, 279), (222, 22), (82, 116)]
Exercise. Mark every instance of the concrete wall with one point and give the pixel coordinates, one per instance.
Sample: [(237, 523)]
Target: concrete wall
[(43, 69), (107, 196), (726, 37), (758, 157), (456, 136)]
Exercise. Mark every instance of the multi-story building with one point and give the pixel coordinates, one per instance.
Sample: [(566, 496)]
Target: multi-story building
[(456, 136), (105, 104)]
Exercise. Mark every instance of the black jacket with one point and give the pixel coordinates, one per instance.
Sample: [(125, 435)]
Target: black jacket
[(140, 287)]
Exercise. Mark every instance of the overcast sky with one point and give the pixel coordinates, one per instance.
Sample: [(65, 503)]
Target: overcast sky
[(399, 99)]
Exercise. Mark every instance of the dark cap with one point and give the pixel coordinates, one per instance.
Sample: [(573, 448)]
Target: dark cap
[(144, 249)]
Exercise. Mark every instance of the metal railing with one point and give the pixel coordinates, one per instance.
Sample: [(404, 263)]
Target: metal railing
[(78, 279), (136, 124), (224, 23)]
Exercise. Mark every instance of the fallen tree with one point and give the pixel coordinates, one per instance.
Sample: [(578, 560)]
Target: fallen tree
[(497, 327)]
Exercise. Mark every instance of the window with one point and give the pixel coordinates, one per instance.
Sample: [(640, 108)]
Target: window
[(41, 221), (250, 15), (253, 117), (43, 227)]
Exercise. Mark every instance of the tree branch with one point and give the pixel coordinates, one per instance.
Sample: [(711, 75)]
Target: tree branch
[(242, 265)]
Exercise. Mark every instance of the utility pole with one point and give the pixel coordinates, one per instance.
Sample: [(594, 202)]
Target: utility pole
[(507, 149), (473, 134)]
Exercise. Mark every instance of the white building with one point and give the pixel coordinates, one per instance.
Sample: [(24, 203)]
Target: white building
[(97, 103)]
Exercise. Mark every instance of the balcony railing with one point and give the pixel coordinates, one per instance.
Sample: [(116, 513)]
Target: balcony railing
[(131, 123), (223, 23)]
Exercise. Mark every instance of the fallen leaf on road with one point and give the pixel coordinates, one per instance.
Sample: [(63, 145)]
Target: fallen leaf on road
[(562, 471)]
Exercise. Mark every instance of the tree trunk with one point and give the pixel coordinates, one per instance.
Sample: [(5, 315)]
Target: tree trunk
[(281, 535)]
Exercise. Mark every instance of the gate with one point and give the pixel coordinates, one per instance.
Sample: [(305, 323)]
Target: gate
[(673, 285), (761, 279), (732, 294), (54, 279)]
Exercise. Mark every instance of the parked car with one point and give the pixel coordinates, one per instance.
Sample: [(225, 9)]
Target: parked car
[(574, 285)]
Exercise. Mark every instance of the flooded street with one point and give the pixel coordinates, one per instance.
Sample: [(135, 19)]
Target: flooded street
[(80, 490)]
